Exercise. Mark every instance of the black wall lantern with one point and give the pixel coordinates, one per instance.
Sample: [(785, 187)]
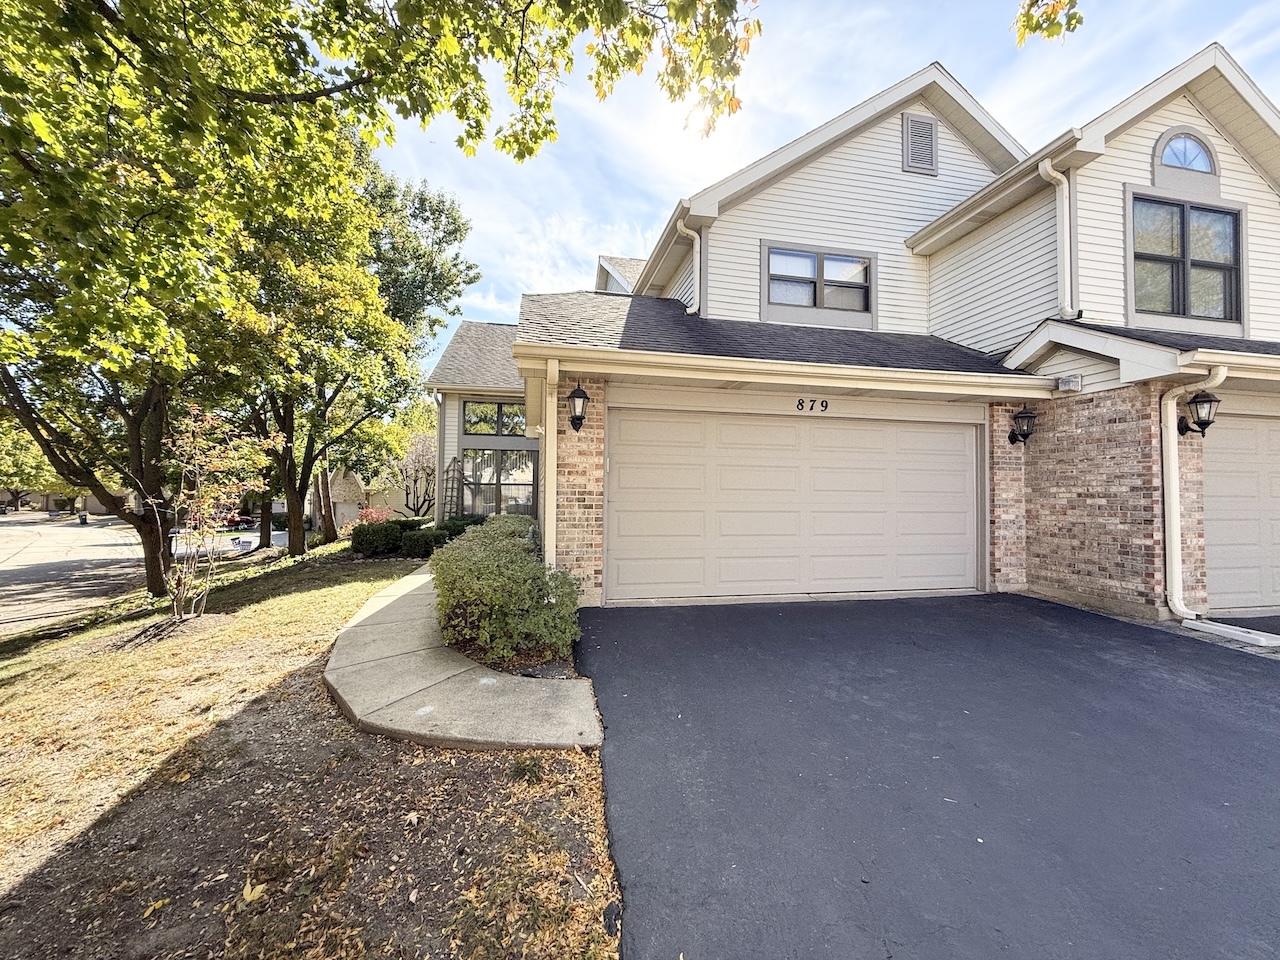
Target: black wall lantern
[(578, 401), (1204, 408), (1024, 425)]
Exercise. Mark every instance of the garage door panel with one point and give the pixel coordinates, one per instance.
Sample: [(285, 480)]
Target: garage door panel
[(759, 574), (850, 480), (668, 431), (661, 524), (848, 523), (1242, 512), (842, 439), (745, 478), (751, 523), (748, 436), (789, 505), (666, 572), (662, 478)]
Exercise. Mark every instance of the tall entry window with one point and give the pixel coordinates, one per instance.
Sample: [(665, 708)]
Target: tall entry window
[(498, 481), (1186, 260)]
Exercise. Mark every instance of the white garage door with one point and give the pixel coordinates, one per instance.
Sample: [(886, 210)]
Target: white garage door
[(716, 505), (1242, 512)]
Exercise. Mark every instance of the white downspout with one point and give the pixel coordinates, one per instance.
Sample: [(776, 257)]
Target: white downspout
[(697, 262), (1065, 308), (1172, 485)]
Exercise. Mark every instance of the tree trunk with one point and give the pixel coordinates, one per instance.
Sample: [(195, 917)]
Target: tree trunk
[(264, 519), (155, 554), (297, 523), (327, 524)]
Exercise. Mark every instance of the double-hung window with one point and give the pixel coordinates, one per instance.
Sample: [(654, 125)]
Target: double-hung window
[(826, 281), (1186, 260)]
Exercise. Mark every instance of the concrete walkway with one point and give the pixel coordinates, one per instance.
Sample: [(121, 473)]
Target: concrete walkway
[(392, 674)]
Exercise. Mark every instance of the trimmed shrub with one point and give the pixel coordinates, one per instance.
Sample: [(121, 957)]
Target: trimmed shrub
[(374, 539), (495, 593), (409, 523), (279, 521), (418, 543), (457, 526)]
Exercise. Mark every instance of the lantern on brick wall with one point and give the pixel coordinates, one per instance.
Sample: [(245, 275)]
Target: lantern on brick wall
[(578, 401), (1024, 424), (1204, 408)]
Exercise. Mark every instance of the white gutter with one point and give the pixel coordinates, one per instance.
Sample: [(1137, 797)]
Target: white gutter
[(1172, 484), (697, 262), (1064, 236)]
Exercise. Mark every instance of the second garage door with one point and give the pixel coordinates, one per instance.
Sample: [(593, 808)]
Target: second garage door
[(716, 505), (1242, 513)]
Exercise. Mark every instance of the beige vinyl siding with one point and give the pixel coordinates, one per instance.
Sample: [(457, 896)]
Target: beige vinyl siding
[(1101, 217), (611, 284), (855, 197), (991, 288), (450, 428), (681, 287), (1096, 373)]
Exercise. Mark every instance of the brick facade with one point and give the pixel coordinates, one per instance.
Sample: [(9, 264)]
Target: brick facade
[(1090, 491), (580, 489), (1008, 530)]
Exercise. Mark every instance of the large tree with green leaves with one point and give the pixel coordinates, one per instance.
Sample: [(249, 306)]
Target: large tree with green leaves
[(23, 467)]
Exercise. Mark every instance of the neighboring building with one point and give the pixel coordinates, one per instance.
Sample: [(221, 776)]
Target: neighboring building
[(808, 387)]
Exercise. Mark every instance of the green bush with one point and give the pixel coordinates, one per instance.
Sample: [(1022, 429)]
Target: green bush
[(409, 523), (279, 521), (373, 539), (418, 543), (494, 592), (457, 526)]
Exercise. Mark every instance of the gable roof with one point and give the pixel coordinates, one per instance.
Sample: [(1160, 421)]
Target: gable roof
[(626, 270), (478, 357), (615, 321), (1211, 79), (952, 103)]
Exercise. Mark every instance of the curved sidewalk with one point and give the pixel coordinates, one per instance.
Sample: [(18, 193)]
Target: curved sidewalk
[(392, 674)]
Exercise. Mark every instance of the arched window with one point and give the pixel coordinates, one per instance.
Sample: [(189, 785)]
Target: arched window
[(1185, 152)]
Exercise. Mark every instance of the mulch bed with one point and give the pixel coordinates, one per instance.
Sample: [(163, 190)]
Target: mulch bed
[(285, 833)]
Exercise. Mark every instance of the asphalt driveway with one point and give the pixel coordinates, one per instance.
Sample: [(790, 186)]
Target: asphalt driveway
[(972, 777)]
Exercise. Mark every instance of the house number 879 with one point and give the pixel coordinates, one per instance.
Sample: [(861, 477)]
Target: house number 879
[(810, 405)]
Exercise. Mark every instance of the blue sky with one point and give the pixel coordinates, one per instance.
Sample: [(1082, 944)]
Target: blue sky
[(610, 181)]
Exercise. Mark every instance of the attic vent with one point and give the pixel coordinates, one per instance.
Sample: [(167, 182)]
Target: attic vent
[(919, 144)]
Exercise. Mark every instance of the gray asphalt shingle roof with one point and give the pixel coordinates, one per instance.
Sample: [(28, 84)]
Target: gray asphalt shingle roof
[(479, 355), (621, 322), (1183, 341), (629, 267)]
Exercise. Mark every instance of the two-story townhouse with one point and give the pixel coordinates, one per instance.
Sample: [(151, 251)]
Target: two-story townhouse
[(808, 388)]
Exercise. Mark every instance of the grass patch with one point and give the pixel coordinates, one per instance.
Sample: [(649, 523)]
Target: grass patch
[(196, 793)]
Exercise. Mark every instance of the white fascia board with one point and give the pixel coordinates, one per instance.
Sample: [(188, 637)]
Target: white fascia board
[(472, 389), (1155, 94), (666, 240), (1252, 366), (605, 361), (1138, 360), (1002, 193), (712, 201)]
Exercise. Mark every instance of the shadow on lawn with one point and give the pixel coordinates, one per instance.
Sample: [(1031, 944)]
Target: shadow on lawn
[(344, 843)]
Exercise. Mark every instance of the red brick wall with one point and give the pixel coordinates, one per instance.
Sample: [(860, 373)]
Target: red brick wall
[(1195, 587), (580, 489), (1008, 534)]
